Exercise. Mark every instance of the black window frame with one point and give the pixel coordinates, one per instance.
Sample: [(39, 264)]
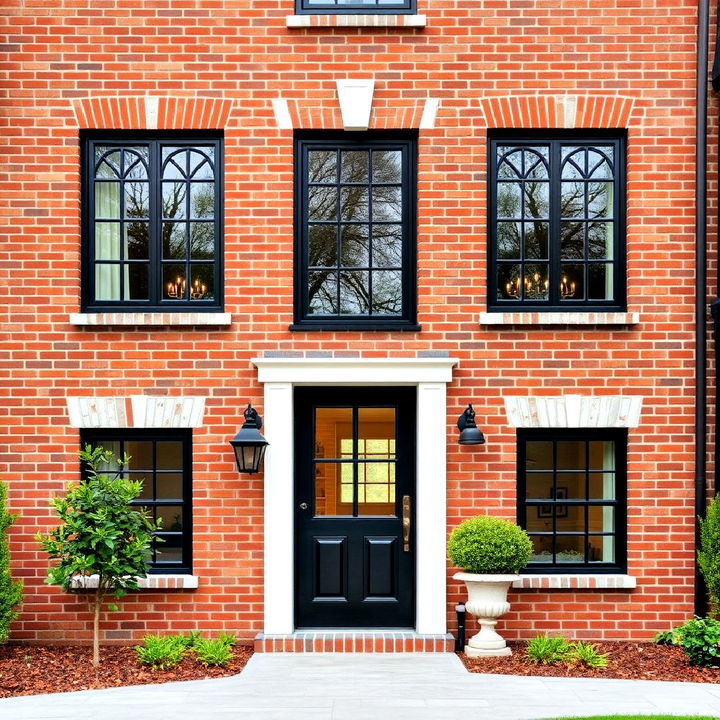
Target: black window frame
[(403, 7), (321, 140), (556, 140), (155, 141), (98, 436), (617, 435)]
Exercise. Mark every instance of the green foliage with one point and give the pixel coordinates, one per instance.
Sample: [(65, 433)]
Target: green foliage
[(489, 545), (227, 638), (213, 652), (101, 535), (709, 553), (550, 650), (667, 637), (587, 654), (166, 651), (10, 590), (161, 652), (546, 650), (191, 638), (699, 638)]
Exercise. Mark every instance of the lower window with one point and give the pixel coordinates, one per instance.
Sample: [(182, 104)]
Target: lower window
[(162, 461), (572, 498)]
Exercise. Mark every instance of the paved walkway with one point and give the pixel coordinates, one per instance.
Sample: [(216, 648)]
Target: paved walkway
[(368, 687)]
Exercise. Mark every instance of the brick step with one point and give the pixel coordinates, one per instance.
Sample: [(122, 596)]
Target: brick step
[(348, 641)]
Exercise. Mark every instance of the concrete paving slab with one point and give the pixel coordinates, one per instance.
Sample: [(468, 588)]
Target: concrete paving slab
[(432, 686)]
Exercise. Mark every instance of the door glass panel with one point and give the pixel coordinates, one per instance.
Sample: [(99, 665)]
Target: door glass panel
[(333, 477), (376, 456)]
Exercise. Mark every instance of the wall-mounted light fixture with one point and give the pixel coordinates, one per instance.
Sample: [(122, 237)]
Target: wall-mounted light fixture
[(469, 433), (249, 445)]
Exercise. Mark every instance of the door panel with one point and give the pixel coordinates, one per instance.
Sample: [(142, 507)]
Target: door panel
[(380, 554), (331, 567), (355, 461)]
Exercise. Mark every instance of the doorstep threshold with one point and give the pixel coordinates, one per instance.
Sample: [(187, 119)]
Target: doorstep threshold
[(354, 640)]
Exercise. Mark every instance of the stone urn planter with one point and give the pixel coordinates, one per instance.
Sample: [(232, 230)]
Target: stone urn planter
[(491, 552), (487, 601)]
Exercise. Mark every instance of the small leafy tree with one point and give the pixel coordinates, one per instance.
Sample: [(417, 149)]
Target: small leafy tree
[(709, 553), (10, 590), (102, 536)]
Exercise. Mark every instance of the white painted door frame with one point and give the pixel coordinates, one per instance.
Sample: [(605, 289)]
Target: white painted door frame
[(430, 376)]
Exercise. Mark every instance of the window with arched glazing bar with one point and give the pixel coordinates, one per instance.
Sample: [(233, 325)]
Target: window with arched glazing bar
[(556, 222), (152, 210)]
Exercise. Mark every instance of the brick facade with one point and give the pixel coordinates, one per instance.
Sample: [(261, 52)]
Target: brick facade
[(243, 68)]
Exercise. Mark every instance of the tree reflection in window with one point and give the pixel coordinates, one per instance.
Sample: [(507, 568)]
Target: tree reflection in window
[(356, 230)]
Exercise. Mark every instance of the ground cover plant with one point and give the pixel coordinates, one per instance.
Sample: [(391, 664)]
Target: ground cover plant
[(699, 639), (35, 670), (550, 650), (626, 660), (162, 652)]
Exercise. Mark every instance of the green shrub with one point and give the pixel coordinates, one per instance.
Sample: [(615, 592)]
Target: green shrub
[(546, 650), (699, 638), (587, 654), (489, 545), (213, 652), (102, 534), (667, 637), (10, 590), (161, 652), (709, 553)]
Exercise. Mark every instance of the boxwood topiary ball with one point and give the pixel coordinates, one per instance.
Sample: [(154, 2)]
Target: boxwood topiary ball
[(489, 546)]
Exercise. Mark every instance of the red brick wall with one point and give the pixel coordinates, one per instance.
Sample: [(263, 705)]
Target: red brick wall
[(63, 57)]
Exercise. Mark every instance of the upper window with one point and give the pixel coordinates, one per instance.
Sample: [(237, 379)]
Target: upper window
[(152, 210), (355, 225), (571, 498), (556, 222), (162, 461), (370, 7)]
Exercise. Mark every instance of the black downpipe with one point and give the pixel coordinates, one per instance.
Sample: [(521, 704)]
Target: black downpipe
[(701, 286), (460, 639)]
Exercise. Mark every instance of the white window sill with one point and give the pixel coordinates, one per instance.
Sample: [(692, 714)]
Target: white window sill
[(151, 582), (559, 581), (340, 20), (149, 318), (559, 318)]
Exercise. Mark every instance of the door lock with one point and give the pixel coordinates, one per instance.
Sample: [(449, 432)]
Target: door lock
[(303, 506)]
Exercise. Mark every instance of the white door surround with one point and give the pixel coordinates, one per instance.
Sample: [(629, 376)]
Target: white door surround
[(430, 376)]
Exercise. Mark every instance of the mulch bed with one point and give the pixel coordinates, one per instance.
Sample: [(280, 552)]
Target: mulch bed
[(628, 661), (35, 670)]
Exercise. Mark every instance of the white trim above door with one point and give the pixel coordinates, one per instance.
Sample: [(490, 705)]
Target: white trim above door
[(430, 376)]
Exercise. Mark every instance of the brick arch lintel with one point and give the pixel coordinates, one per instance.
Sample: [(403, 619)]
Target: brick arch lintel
[(152, 113), (557, 111), (136, 411)]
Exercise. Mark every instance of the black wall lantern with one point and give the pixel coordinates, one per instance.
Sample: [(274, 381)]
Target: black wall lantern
[(249, 445), (469, 433)]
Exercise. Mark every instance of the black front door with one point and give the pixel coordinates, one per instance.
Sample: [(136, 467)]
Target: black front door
[(354, 507)]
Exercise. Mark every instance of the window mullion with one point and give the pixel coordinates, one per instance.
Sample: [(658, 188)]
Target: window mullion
[(555, 228), (155, 229)]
